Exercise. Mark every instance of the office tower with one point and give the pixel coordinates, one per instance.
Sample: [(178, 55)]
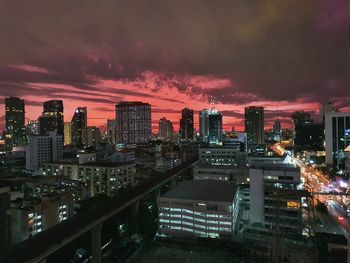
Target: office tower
[(79, 124), (300, 118), (337, 141), (134, 124), (210, 126), (254, 125), (52, 117), (15, 133), (93, 135), (166, 129), (309, 137), (186, 124), (277, 131), (202, 208), (111, 131), (67, 133), (43, 149), (33, 128), (326, 108)]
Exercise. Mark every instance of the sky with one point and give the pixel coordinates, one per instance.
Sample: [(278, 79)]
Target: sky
[(284, 55)]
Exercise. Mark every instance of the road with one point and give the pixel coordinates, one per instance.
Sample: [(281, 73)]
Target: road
[(317, 182)]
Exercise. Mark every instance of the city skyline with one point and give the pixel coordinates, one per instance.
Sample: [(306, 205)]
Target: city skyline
[(201, 55)]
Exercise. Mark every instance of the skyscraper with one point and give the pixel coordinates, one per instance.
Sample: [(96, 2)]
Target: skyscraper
[(15, 129), (111, 131), (79, 124), (186, 124), (52, 117), (93, 135), (67, 133), (337, 133), (254, 125), (210, 126), (134, 123), (166, 129), (300, 118), (277, 131)]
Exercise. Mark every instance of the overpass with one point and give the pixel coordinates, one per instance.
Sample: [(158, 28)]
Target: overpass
[(40, 246)]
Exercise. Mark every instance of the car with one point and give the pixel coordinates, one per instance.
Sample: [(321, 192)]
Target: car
[(340, 218)]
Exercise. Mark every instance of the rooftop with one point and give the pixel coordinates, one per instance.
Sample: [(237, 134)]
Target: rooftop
[(206, 190), (276, 166)]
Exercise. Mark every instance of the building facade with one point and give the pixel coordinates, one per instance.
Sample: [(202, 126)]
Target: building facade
[(337, 138), (186, 124), (134, 123), (204, 208), (42, 149), (15, 132), (111, 131), (166, 129), (93, 135), (254, 125), (222, 156), (79, 126), (67, 133), (51, 119), (101, 177), (210, 126)]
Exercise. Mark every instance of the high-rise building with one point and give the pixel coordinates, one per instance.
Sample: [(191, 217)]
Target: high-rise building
[(254, 125), (300, 118), (134, 123), (15, 130), (79, 124), (186, 124), (67, 133), (93, 135), (277, 131), (52, 117), (326, 108), (337, 133), (43, 149), (166, 129), (33, 128), (210, 126), (111, 131), (309, 137)]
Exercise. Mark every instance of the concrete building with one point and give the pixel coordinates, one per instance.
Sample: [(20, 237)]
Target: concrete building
[(93, 135), (277, 131), (67, 133), (111, 131), (222, 156), (15, 132), (337, 138), (326, 108), (238, 175), (266, 207), (79, 126), (309, 137), (254, 125), (204, 208), (236, 140), (101, 177), (166, 129), (42, 149), (186, 124), (134, 123), (34, 215), (33, 128), (51, 119)]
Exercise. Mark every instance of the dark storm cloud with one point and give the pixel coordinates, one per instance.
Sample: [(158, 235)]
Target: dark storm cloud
[(270, 50)]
